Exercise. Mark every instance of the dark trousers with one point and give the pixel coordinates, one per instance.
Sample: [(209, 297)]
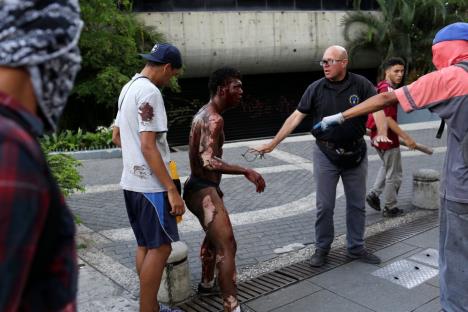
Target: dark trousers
[(326, 176), (453, 256)]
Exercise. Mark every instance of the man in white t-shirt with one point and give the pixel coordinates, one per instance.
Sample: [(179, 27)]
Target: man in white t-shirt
[(151, 198)]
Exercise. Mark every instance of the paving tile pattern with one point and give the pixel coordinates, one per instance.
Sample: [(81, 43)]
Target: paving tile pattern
[(256, 242)]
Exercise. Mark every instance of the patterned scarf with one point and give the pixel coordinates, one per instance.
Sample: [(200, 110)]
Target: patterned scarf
[(42, 35)]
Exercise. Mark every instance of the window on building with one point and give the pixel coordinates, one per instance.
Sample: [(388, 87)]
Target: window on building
[(369, 5), (159, 6), (251, 4), (220, 4), (184, 5), (230, 5), (338, 5), (280, 4), (309, 4)]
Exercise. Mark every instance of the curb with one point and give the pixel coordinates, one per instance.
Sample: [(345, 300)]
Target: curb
[(110, 153), (94, 154)]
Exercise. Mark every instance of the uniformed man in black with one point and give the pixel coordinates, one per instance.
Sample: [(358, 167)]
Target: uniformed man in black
[(340, 152)]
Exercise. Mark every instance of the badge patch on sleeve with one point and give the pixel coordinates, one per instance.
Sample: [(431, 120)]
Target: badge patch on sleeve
[(354, 100)]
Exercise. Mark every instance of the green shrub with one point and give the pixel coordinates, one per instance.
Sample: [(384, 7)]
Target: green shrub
[(64, 169), (72, 141)]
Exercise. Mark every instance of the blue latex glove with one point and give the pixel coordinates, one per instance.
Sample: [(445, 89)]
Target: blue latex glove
[(329, 121)]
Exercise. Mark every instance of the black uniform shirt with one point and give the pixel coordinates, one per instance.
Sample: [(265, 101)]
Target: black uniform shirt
[(324, 98)]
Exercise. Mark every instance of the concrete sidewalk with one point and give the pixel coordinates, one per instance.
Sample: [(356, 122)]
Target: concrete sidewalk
[(407, 280), (262, 224)]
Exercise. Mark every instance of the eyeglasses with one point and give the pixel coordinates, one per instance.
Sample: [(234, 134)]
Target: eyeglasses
[(250, 155), (329, 62)]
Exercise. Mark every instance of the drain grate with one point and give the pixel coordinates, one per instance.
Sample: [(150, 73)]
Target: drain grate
[(294, 273)]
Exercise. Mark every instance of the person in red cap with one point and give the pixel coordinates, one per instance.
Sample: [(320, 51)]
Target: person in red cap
[(444, 92), (151, 197)]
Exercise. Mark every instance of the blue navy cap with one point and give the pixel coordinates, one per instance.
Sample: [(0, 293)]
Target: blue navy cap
[(164, 53), (455, 31)]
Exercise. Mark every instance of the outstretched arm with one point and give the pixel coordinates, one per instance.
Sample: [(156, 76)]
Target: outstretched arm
[(409, 142), (289, 125), (382, 127), (372, 104)]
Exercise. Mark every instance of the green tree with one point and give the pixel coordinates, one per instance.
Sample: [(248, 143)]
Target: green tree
[(403, 28), (110, 42)]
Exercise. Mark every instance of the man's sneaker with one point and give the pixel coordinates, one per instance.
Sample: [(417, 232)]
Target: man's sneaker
[(373, 201), (208, 291), (318, 258), (391, 213), (165, 308), (364, 256)]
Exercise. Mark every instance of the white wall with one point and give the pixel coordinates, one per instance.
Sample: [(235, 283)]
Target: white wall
[(255, 42)]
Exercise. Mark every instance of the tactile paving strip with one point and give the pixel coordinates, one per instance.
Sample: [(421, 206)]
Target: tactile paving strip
[(294, 273), (406, 273)]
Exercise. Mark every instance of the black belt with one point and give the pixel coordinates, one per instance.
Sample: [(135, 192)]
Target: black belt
[(345, 145)]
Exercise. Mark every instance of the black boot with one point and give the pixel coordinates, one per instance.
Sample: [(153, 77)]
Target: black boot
[(391, 213), (373, 201), (364, 256), (318, 258)]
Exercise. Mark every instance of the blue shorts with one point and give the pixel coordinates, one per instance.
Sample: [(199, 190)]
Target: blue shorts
[(150, 219)]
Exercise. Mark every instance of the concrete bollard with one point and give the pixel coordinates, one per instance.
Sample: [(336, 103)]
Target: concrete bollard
[(426, 189), (176, 286)]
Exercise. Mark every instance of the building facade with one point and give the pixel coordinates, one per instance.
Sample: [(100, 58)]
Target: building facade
[(256, 36)]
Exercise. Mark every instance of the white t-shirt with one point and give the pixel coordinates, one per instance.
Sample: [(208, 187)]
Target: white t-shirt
[(141, 108)]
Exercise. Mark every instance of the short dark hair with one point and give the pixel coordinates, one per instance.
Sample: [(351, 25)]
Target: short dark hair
[(221, 77), (154, 64), (392, 61)]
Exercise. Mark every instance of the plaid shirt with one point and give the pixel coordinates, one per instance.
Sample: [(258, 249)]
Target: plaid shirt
[(38, 270)]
